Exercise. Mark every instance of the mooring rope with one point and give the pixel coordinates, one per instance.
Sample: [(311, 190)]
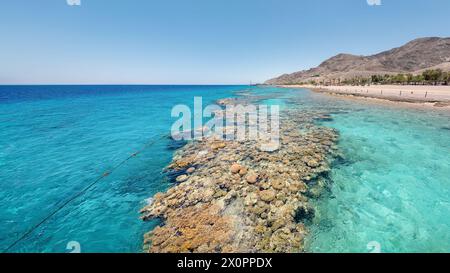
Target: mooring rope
[(83, 191)]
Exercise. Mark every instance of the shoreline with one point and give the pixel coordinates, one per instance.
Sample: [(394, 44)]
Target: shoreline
[(437, 97), (260, 203)]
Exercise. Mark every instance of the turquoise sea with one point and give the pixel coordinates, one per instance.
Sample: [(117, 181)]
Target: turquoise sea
[(392, 187)]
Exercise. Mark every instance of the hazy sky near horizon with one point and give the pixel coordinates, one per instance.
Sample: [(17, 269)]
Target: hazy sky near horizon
[(198, 41)]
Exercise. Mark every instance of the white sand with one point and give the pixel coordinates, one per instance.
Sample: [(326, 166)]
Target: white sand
[(419, 93)]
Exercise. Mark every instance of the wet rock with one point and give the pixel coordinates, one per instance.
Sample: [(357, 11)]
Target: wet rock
[(269, 147), (190, 170), (217, 146), (235, 168), (260, 229), (278, 184), (252, 178), (279, 223), (312, 163), (197, 229), (182, 178), (298, 187), (251, 199), (219, 193), (265, 185), (243, 171), (267, 195), (207, 195)]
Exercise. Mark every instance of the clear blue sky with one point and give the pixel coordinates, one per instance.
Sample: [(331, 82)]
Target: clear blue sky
[(198, 41)]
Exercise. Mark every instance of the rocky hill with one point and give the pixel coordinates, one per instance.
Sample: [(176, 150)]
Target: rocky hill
[(413, 57)]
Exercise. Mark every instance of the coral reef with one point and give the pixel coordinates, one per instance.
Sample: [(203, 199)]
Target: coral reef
[(231, 196)]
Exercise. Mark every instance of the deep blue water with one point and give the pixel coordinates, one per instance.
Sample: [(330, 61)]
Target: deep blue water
[(55, 140), (393, 186)]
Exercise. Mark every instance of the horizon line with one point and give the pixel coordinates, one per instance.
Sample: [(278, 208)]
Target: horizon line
[(112, 84)]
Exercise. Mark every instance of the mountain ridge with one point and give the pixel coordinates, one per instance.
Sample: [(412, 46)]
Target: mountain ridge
[(415, 56)]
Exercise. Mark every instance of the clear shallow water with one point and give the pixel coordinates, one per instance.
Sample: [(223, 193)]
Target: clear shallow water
[(393, 186)]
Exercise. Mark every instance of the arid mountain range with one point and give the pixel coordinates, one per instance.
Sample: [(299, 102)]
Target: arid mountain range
[(413, 57)]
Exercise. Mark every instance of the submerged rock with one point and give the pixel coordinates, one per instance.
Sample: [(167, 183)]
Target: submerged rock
[(267, 195), (235, 196), (182, 178), (278, 184), (235, 168), (243, 171), (252, 178), (190, 170)]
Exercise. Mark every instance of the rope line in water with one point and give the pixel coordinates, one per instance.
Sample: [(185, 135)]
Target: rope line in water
[(83, 191)]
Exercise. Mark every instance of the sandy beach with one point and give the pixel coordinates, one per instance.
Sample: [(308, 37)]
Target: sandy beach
[(406, 93)]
